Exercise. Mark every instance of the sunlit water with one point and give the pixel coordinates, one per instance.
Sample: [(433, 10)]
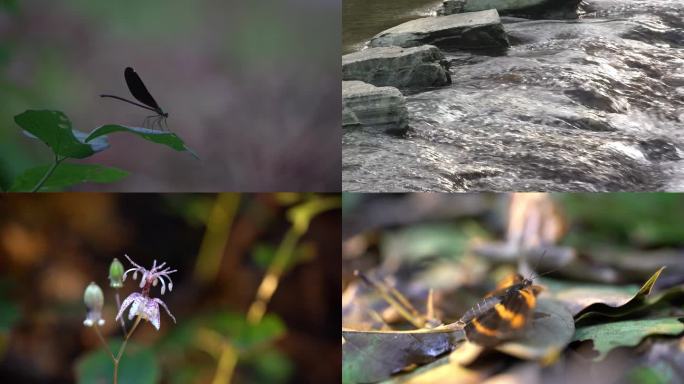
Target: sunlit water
[(589, 104)]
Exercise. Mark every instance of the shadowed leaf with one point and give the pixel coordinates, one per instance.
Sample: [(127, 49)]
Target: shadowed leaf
[(600, 309), (577, 296), (159, 137), (373, 356), (626, 333), (447, 369), (54, 129)]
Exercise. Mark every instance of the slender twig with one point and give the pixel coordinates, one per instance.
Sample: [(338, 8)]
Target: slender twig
[(128, 335), (271, 279), (123, 346), (118, 307), (48, 173), (395, 301), (116, 359), (269, 283), (104, 343), (226, 364)]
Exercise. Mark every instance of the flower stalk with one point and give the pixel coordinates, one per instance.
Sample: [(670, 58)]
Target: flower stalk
[(142, 305)]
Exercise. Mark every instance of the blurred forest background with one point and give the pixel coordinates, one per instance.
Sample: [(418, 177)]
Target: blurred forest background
[(252, 86), (53, 245), (597, 249)]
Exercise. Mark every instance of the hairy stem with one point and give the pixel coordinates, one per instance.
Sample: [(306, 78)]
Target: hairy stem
[(48, 173)]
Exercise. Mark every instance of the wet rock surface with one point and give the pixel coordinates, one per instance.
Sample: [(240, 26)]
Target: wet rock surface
[(474, 30), (535, 9), (365, 105), (423, 66), (594, 104)]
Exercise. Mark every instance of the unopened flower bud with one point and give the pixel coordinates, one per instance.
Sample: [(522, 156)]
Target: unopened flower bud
[(116, 271), (94, 301)]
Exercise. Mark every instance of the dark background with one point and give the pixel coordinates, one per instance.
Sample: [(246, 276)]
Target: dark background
[(252, 86), (53, 245)]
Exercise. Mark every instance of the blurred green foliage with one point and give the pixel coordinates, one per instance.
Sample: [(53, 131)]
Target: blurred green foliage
[(9, 5), (270, 366), (263, 255), (630, 219), (431, 240), (9, 310), (661, 374), (252, 342), (9, 314), (138, 366)]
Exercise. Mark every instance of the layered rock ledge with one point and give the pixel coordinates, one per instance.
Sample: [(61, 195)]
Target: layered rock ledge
[(423, 66), (473, 30), (366, 105)]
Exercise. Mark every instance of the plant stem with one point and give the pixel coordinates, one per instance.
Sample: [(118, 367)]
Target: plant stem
[(104, 343), (117, 359), (48, 173), (118, 307), (226, 364)]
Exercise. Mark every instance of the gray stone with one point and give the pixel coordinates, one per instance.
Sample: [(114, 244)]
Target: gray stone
[(349, 119), (423, 66), (525, 8), (449, 7), (371, 106), (474, 30)]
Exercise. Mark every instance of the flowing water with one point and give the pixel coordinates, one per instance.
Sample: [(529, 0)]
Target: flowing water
[(595, 103)]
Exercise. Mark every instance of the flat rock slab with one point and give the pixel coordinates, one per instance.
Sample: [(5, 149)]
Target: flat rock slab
[(473, 30), (423, 66), (525, 8), (366, 105)]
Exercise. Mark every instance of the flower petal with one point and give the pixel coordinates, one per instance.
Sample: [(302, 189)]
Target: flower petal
[(135, 307), (152, 313), (126, 303), (165, 307)]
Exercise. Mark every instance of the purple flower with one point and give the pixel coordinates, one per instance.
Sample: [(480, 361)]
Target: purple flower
[(141, 303), (152, 276), (146, 307)]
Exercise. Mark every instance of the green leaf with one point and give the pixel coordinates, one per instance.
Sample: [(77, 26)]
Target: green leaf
[(138, 366), (66, 175), (159, 137), (54, 129), (626, 333), (636, 303), (551, 330), (370, 356)]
